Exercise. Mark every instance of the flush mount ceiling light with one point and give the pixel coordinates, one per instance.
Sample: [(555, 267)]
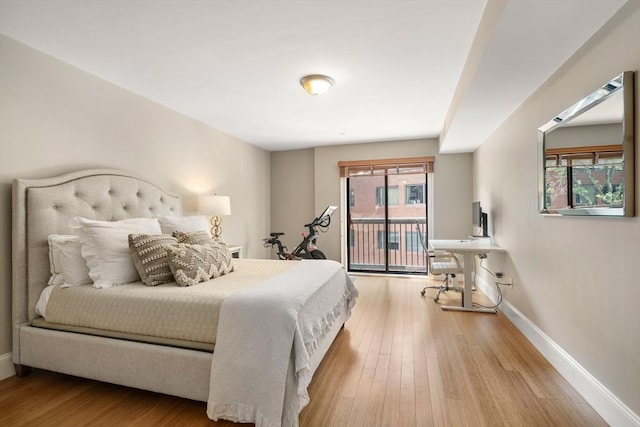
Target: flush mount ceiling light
[(316, 84)]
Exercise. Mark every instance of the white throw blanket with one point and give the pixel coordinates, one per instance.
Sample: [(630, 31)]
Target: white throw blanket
[(266, 337)]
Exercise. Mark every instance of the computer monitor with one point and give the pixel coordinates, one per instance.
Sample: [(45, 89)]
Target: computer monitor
[(476, 214), (479, 218)]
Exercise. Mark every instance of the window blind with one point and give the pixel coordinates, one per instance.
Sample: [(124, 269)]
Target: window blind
[(584, 156), (409, 165)]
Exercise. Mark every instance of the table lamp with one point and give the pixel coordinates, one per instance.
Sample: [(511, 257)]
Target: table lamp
[(216, 206)]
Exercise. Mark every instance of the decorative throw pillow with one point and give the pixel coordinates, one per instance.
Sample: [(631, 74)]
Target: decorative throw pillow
[(68, 267), (105, 247), (193, 237), (192, 264), (224, 259), (149, 255), (201, 238), (169, 224)]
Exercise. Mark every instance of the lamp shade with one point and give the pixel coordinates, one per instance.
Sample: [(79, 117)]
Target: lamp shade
[(214, 205)]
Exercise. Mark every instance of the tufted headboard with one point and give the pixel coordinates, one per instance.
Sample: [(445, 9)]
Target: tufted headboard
[(44, 206)]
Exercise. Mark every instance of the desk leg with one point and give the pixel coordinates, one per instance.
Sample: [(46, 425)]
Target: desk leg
[(467, 301)]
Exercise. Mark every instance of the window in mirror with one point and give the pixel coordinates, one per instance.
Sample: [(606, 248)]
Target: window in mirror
[(584, 177)]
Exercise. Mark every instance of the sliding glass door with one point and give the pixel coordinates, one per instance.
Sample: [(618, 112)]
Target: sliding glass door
[(387, 221)]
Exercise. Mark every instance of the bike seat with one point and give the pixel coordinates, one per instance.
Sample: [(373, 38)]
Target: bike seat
[(276, 234)]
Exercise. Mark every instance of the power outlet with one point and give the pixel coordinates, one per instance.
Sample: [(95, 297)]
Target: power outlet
[(505, 281)]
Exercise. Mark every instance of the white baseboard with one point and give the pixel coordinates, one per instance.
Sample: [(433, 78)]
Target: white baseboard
[(6, 366), (610, 408)]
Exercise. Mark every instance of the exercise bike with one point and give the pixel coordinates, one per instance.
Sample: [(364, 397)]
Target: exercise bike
[(307, 248)]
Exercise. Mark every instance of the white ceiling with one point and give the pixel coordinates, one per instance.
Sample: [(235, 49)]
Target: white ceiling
[(396, 64)]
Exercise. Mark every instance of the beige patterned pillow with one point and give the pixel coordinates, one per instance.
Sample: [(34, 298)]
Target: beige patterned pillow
[(149, 255), (192, 264), (225, 258), (203, 238)]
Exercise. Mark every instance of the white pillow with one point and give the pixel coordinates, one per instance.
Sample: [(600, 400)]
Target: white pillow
[(105, 247), (67, 264), (169, 224), (55, 265)]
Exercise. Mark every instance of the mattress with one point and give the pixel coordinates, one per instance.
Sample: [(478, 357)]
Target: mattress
[(164, 314)]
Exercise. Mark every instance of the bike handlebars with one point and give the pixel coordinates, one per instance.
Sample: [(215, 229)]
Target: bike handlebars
[(324, 219)]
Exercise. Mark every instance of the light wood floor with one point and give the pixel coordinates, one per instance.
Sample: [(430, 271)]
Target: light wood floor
[(400, 361)]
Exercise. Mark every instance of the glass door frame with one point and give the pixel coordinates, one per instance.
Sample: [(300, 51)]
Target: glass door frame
[(388, 224)]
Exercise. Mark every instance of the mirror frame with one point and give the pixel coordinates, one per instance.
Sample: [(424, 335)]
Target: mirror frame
[(622, 82)]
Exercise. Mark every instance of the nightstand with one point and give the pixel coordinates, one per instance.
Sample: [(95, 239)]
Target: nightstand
[(236, 251)]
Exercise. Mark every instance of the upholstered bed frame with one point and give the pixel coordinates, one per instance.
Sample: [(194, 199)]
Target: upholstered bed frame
[(44, 206)]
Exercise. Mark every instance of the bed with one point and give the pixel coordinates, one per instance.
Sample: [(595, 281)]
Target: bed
[(231, 368)]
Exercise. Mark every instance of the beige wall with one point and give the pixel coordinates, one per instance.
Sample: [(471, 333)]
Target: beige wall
[(292, 194), (453, 196), (55, 118), (584, 136), (452, 187), (577, 279)]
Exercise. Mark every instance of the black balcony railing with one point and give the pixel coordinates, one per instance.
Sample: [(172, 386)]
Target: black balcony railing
[(393, 245)]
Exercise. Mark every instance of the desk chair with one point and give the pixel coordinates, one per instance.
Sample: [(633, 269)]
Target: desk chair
[(441, 263), (444, 263)]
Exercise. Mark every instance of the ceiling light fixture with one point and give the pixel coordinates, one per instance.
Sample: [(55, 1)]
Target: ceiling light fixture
[(316, 84)]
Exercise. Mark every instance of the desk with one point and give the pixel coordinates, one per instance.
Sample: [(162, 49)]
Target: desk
[(468, 249)]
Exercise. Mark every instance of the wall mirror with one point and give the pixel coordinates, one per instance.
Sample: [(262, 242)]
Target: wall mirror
[(586, 154)]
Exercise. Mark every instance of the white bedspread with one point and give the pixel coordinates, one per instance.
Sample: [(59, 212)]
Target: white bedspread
[(266, 336), (164, 311)]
